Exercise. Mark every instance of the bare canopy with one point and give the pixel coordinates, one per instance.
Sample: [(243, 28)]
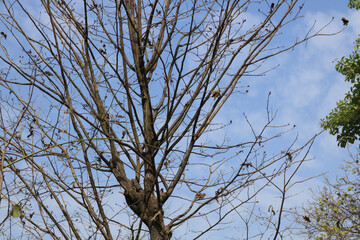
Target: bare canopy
[(107, 117)]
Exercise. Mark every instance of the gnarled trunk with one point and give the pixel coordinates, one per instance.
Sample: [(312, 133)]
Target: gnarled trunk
[(159, 232)]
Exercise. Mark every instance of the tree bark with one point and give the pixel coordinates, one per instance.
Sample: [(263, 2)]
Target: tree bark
[(150, 213), (158, 231)]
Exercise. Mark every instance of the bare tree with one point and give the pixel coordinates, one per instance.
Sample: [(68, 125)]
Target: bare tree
[(108, 109)]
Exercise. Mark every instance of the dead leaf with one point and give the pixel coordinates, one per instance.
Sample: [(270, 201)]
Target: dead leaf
[(345, 21), (289, 156), (306, 218), (3, 34), (47, 73), (215, 93), (200, 196)]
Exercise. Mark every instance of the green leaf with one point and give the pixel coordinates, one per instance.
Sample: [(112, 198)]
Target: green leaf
[(354, 4), (15, 212)]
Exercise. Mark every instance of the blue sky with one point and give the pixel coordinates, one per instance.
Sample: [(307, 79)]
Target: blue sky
[(306, 86)]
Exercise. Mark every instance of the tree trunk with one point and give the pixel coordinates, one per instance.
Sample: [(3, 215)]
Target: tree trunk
[(149, 210), (159, 231)]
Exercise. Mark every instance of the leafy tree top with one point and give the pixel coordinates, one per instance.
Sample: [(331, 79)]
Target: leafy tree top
[(354, 4), (344, 120)]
